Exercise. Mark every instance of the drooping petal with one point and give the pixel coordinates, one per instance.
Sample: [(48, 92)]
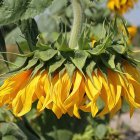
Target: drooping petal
[(12, 85), (76, 95), (116, 108), (106, 94), (24, 98)]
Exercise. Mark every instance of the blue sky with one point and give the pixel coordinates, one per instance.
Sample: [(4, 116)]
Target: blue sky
[(133, 16)]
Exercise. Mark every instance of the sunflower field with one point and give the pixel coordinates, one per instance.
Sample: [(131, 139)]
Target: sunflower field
[(69, 70)]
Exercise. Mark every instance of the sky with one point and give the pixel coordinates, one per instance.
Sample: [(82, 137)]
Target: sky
[(133, 16)]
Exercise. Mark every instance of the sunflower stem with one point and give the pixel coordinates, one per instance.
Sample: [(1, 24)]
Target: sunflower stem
[(77, 23)]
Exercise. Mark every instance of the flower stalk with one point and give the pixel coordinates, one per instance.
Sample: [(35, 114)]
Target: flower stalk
[(77, 23)]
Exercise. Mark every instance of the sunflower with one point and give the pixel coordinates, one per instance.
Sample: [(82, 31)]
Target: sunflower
[(71, 77), (132, 31), (121, 6), (64, 95)]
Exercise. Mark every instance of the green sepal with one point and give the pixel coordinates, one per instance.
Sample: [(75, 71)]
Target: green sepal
[(124, 24), (46, 55), (90, 69), (54, 65), (60, 39), (37, 69), (108, 60), (62, 44), (64, 48), (99, 31), (30, 64), (42, 44), (103, 69), (79, 59), (119, 66), (112, 62), (70, 68), (119, 48), (61, 72), (83, 40), (132, 60), (99, 49), (125, 42)]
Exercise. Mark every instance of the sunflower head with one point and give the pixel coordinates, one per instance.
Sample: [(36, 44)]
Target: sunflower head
[(69, 81), (121, 6), (69, 95), (132, 31)]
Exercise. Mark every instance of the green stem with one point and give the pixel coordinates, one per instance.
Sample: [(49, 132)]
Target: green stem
[(77, 23)]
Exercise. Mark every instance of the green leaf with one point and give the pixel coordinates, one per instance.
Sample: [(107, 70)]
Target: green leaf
[(11, 129), (55, 65), (5, 115), (70, 69), (79, 59), (15, 10), (57, 6), (19, 48), (9, 138), (30, 30), (61, 134), (46, 55), (87, 135), (101, 131), (22, 65), (3, 46), (26, 127)]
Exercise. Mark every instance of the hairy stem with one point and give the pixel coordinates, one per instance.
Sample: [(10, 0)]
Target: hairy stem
[(77, 23)]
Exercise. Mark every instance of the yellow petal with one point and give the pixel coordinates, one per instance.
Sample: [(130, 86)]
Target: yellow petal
[(57, 111), (116, 108), (75, 111), (12, 85), (25, 97), (73, 96)]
